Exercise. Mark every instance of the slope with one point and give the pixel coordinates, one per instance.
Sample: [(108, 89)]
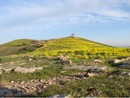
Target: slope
[(19, 46), (68, 45)]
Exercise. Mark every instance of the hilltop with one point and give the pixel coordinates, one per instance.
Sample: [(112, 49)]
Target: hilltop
[(67, 45), (71, 46)]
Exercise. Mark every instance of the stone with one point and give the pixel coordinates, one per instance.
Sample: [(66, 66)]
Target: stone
[(91, 74), (61, 96), (97, 61), (30, 59), (22, 82), (125, 66), (27, 70), (7, 70), (4, 92), (126, 73), (63, 71), (12, 82), (1, 72), (116, 61), (110, 76)]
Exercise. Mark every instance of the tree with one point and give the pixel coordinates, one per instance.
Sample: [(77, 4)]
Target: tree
[(72, 35)]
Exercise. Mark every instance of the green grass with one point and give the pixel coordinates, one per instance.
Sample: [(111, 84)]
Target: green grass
[(114, 87), (19, 47), (19, 42)]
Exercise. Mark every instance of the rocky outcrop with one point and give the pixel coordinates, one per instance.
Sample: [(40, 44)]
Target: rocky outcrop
[(27, 70), (19, 69), (38, 85), (96, 69), (96, 61), (117, 61), (65, 59), (125, 65)]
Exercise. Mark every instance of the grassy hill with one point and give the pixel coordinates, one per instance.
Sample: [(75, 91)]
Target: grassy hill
[(73, 47), (19, 46), (79, 48)]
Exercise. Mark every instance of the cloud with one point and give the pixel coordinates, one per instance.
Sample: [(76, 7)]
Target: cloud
[(43, 13)]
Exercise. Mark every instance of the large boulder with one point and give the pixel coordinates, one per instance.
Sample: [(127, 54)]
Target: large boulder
[(116, 61)]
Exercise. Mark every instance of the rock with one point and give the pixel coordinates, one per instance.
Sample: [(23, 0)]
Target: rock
[(97, 61), (90, 74), (44, 86), (126, 73), (70, 62), (63, 71), (116, 61), (4, 92), (110, 76), (65, 59), (1, 72), (30, 59), (12, 82), (27, 70), (22, 82), (61, 96), (7, 70), (50, 83), (125, 65), (127, 59)]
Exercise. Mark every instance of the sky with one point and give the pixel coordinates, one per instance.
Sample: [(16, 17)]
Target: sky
[(105, 21)]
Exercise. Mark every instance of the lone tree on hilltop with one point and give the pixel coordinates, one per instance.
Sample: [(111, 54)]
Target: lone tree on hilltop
[(72, 35)]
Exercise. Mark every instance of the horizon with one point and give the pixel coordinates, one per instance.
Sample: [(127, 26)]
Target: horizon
[(63, 37), (104, 21)]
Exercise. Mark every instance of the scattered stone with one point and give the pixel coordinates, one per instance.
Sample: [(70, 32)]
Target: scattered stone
[(27, 70), (65, 59), (125, 65)]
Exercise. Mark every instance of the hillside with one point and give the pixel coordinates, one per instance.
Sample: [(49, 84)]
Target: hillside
[(79, 48), (71, 64), (72, 47), (19, 46), (67, 46)]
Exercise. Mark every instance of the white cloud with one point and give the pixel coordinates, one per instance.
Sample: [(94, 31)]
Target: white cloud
[(28, 14)]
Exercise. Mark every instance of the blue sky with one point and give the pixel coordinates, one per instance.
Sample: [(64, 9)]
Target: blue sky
[(105, 21)]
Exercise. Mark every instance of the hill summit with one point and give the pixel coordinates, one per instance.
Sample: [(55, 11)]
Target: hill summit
[(67, 45), (70, 46)]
